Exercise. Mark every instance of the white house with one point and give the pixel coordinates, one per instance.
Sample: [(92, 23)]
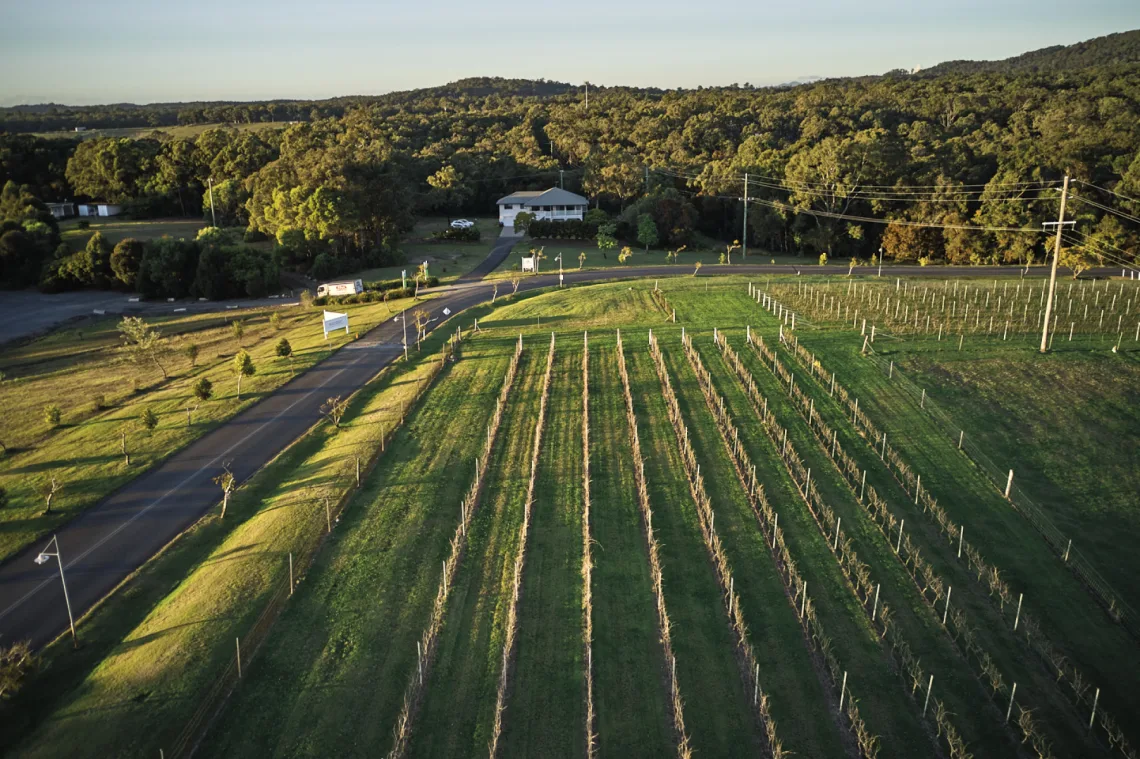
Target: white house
[(555, 204), (61, 210), (100, 209)]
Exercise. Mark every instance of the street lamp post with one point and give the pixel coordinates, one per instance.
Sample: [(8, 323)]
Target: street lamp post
[(559, 259), (46, 556), (880, 260)]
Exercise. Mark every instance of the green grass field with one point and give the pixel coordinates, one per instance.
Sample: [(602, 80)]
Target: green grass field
[(446, 260), (73, 368), (115, 229), (331, 675)]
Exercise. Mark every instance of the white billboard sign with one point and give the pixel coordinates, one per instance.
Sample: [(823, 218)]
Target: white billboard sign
[(334, 321)]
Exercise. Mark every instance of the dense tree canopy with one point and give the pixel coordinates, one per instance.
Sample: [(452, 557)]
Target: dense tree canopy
[(961, 167)]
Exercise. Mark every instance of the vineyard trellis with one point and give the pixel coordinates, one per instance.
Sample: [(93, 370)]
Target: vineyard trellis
[(857, 572), (706, 521), (1061, 544), (332, 501), (956, 624), (677, 710), (426, 646), (587, 558), (512, 624), (957, 308), (987, 575)]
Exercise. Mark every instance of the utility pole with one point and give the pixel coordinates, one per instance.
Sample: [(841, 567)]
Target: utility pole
[(213, 218), (744, 232), (587, 96), (1053, 271), (561, 184)]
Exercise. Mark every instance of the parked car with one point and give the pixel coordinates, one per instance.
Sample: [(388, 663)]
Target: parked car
[(348, 287), (462, 224)]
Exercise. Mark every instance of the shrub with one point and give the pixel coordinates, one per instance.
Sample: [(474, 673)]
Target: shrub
[(203, 389), (99, 401), (149, 419), (284, 349), (126, 259), (571, 229), (275, 320), (470, 234), (52, 415), (191, 352)]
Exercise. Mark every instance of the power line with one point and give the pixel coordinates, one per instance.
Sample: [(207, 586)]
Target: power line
[(1110, 192), (1109, 209)]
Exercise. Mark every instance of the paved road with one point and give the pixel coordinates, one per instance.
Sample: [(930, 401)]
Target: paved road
[(113, 538), (26, 313)]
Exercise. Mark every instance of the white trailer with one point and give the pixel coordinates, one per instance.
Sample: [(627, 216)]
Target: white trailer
[(347, 287)]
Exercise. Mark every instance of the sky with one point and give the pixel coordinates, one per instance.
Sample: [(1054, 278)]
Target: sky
[(84, 52)]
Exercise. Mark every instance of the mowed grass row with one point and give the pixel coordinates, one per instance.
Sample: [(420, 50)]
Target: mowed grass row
[(884, 700), (1040, 688), (85, 455), (330, 679), (630, 689), (1066, 613), (718, 711), (736, 308), (151, 650), (803, 706), (545, 710), (457, 713), (977, 720)]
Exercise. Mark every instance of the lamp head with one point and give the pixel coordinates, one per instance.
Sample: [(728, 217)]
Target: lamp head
[(42, 558)]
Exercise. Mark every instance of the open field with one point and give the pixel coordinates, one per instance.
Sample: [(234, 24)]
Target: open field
[(821, 600), (183, 132), (101, 395), (447, 260), (115, 229)]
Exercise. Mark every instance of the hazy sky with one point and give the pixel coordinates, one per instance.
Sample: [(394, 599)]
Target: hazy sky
[(69, 51)]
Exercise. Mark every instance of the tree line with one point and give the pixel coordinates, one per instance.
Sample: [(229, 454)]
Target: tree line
[(962, 164)]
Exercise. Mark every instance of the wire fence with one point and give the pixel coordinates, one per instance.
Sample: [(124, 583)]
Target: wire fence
[(345, 483), (1061, 543)]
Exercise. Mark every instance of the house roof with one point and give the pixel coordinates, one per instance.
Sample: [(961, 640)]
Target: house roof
[(552, 197)]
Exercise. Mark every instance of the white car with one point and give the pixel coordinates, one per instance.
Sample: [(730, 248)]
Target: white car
[(462, 224)]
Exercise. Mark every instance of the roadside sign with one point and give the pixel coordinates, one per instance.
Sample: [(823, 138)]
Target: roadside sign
[(528, 263), (447, 312), (333, 321)]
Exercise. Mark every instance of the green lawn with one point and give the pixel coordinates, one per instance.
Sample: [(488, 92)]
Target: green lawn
[(629, 671), (73, 367), (545, 709), (116, 228), (458, 707), (446, 260)]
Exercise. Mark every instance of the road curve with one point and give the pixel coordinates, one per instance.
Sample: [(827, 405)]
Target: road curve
[(113, 538)]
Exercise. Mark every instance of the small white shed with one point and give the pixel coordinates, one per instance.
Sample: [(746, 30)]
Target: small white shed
[(100, 209)]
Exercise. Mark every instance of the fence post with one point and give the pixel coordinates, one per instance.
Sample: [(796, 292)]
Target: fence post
[(237, 643), (1009, 483), (961, 437), (863, 486), (1009, 710), (1017, 617), (946, 608), (875, 607), (842, 691), (961, 534), (328, 517), (898, 545), (1066, 559), (838, 523), (929, 687), (1092, 716), (357, 471), (290, 573)]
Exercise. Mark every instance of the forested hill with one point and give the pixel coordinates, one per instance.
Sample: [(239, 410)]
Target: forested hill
[(1110, 50)]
